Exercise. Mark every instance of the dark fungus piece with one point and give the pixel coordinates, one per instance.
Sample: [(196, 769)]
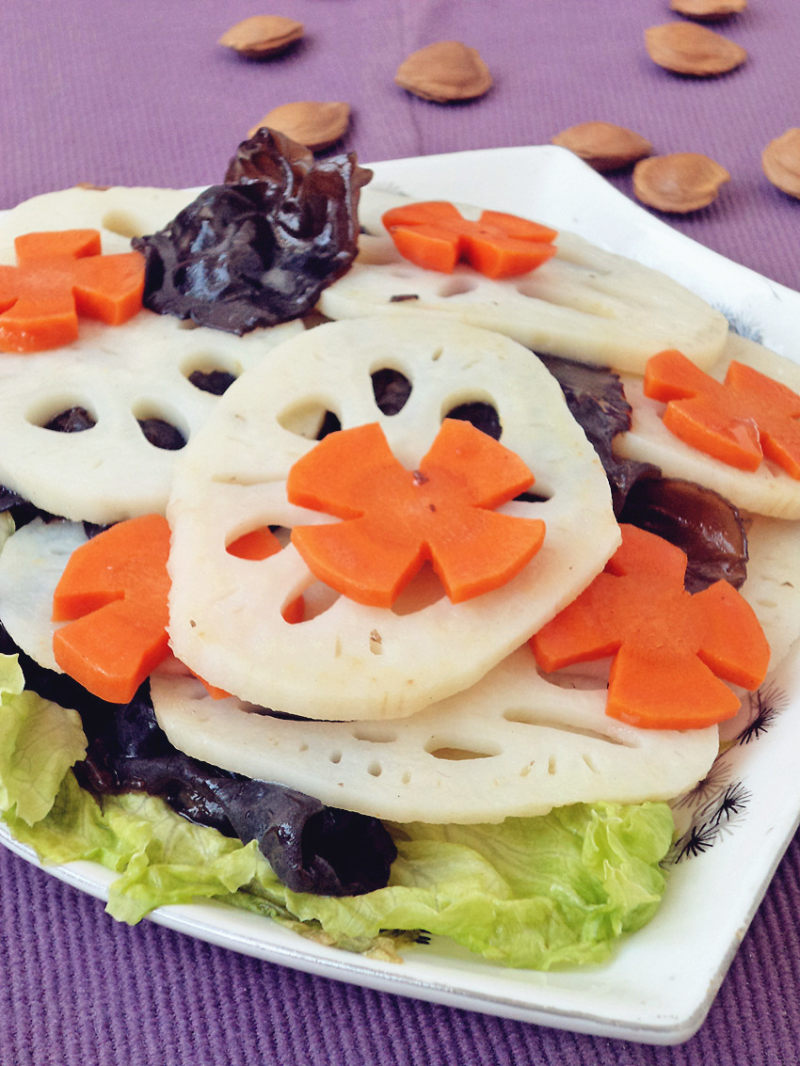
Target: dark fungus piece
[(269, 155), (71, 420), (699, 521), (258, 250), (162, 434), (216, 382), (391, 390), (597, 401), (482, 416), (311, 847), (21, 510)]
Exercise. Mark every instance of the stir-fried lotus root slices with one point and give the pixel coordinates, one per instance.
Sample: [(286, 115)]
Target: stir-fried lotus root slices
[(584, 303), (513, 744), (767, 490), (347, 660), (90, 430)]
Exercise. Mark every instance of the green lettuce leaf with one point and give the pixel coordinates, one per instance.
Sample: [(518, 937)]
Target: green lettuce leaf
[(39, 742), (552, 891), (556, 890)]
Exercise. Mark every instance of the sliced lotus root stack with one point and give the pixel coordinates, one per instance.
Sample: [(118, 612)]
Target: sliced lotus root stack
[(513, 744), (584, 303), (33, 558), (347, 660), (767, 490), (91, 430)]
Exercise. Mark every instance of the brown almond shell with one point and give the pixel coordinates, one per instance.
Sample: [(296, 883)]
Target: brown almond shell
[(262, 36), (687, 48), (678, 183), (708, 10), (780, 161), (313, 123), (444, 72), (603, 145)]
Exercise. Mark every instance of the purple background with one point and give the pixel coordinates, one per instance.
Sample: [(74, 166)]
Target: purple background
[(140, 93)]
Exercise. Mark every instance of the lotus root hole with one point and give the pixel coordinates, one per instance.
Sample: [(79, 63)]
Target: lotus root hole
[(482, 414), (456, 286), (208, 373), (391, 390), (374, 734), (159, 428), (310, 419), (61, 415), (453, 752)]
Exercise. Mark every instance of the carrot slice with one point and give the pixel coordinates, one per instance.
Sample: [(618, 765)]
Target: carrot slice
[(294, 611), (113, 595), (748, 417), (258, 544), (523, 229), (430, 247), (435, 235), (505, 257), (394, 520), (672, 651), (60, 276)]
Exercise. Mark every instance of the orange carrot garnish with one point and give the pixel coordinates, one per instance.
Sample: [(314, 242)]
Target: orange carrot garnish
[(394, 520), (59, 276), (113, 595), (436, 236), (259, 543), (672, 651), (740, 422)]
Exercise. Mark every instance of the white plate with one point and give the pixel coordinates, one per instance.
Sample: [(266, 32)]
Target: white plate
[(662, 982)]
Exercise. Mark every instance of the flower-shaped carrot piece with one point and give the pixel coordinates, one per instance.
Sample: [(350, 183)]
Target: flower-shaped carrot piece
[(672, 651), (59, 276), (436, 236), (394, 519), (113, 595), (748, 417)]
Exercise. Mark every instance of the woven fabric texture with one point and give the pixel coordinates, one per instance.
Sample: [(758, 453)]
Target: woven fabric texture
[(141, 94)]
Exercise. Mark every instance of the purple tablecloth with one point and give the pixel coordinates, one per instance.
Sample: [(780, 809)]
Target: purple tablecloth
[(140, 93)]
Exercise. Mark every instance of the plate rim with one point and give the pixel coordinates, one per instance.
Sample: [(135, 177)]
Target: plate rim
[(670, 1023)]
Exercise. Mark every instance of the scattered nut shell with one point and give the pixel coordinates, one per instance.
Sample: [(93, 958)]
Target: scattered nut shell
[(603, 145), (781, 162), (262, 36), (686, 48), (708, 10), (445, 71), (678, 183), (312, 123)]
